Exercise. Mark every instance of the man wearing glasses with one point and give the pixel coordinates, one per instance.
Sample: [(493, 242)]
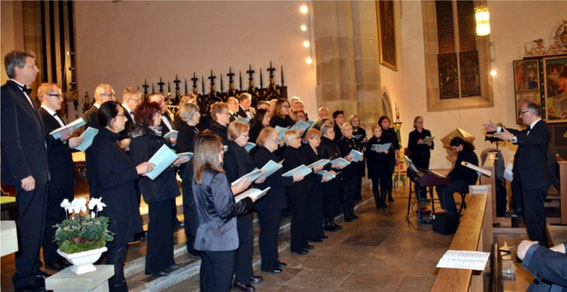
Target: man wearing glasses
[(24, 165), (103, 93), (530, 166), (62, 180)]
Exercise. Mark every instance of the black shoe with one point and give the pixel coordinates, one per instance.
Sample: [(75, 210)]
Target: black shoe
[(309, 247), (141, 236), (38, 284), (348, 219), (330, 228), (316, 240), (172, 268), (354, 217), (244, 287), (256, 279), (56, 266), (300, 252), (324, 236), (281, 265), (42, 275), (390, 199), (160, 274), (337, 227), (274, 271)]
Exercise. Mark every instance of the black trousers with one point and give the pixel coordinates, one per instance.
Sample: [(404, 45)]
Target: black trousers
[(446, 194), (348, 187), (299, 211), (315, 216), (243, 268), (379, 189), (116, 256), (159, 252), (174, 219), (268, 240), (54, 215), (390, 173), (534, 213), (216, 270), (30, 226)]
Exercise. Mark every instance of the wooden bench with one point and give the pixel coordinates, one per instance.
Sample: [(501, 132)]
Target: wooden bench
[(474, 233)]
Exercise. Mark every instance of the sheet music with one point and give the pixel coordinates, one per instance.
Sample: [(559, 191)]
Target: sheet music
[(464, 259), (189, 155), (171, 134), (301, 170), (253, 175), (269, 168), (253, 193), (281, 132), (476, 168), (88, 135), (249, 146), (356, 154), (320, 162), (72, 125), (243, 120), (300, 126), (162, 159)]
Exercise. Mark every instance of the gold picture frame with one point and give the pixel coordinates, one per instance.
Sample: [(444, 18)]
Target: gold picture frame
[(385, 12), (555, 84)]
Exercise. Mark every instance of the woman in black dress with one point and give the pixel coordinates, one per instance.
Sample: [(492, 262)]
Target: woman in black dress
[(350, 176), (116, 176), (299, 194), (260, 121), (270, 207), (237, 163), (217, 235), (389, 136), (378, 164), (359, 133), (328, 149), (281, 114), (159, 193), (221, 119), (419, 150), (189, 114), (315, 231)]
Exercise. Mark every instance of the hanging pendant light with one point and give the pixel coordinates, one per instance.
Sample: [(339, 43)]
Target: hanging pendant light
[(482, 17)]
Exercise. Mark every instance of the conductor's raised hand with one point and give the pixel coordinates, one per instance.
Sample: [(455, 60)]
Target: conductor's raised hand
[(504, 135), (490, 126)]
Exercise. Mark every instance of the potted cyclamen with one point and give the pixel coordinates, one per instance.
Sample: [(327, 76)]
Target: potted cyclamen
[(82, 237)]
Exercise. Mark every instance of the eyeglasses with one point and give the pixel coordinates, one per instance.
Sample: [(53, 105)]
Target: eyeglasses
[(274, 140), (55, 95), (108, 94), (523, 112)]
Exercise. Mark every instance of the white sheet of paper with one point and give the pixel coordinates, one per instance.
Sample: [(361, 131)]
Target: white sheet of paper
[(464, 259)]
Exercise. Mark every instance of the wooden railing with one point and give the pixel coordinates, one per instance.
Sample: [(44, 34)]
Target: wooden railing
[(484, 180), (474, 233), (563, 190)]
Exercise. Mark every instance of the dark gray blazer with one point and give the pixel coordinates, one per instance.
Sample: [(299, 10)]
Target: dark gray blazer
[(217, 212)]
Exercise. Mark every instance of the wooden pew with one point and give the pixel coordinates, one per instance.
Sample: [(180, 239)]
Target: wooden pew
[(484, 180), (563, 190), (474, 233)]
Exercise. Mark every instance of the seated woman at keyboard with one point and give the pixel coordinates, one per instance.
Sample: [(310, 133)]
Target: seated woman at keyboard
[(461, 176)]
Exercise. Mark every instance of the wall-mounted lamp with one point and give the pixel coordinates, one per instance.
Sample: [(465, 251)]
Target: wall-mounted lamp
[(309, 61), (306, 44), (303, 9), (303, 27), (493, 72), (482, 17)]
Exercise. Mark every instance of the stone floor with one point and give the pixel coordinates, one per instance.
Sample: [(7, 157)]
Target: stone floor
[(381, 251)]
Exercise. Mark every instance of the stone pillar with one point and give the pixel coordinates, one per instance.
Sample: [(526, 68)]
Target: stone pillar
[(346, 50)]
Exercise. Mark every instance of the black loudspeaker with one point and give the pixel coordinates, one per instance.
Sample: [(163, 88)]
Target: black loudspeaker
[(445, 223)]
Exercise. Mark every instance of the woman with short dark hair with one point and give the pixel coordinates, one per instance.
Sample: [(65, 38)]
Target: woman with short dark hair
[(159, 193), (115, 176), (389, 136), (259, 121)]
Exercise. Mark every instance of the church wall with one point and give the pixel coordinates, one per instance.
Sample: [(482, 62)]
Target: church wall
[(12, 30), (124, 43), (513, 23)]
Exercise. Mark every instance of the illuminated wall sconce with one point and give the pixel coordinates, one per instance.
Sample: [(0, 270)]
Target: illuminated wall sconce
[(303, 27), (493, 72), (303, 9), (482, 17), (306, 44), (309, 61)]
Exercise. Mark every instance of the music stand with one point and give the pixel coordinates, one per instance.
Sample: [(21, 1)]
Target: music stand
[(413, 174)]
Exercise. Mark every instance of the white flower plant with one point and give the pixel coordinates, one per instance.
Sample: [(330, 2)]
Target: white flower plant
[(81, 231)]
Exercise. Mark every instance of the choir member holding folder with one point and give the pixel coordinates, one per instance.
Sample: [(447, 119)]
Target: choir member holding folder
[(350, 176), (159, 192), (377, 161), (389, 136), (238, 163), (189, 114), (314, 220), (270, 208), (116, 176), (299, 194), (359, 134), (328, 149), (260, 121), (221, 119), (217, 235)]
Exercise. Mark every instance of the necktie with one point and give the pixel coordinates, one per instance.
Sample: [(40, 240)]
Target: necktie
[(25, 89)]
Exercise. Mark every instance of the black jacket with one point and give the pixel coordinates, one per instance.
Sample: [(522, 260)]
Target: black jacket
[(530, 160), (390, 136), (275, 199), (346, 146), (23, 138), (186, 138), (145, 143), (293, 158), (282, 122), (91, 117), (460, 172), (217, 211), (310, 157), (59, 156), (419, 153), (130, 123), (255, 130), (237, 162), (116, 176), (220, 130), (377, 162)]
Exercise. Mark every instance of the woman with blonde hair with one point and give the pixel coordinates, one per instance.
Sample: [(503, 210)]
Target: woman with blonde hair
[(217, 235)]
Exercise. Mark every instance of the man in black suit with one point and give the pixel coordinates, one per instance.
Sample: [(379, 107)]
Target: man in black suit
[(62, 179), (233, 106), (245, 110), (530, 166), (103, 93), (131, 98), (24, 165)]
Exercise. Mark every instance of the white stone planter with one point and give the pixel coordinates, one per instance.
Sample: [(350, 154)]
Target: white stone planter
[(83, 261)]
